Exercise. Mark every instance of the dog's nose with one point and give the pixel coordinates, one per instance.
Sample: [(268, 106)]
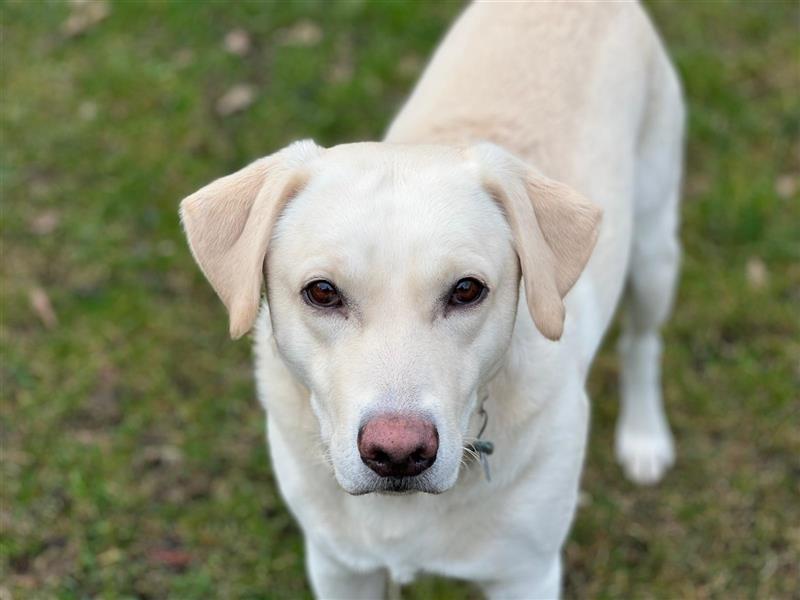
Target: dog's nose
[(398, 445)]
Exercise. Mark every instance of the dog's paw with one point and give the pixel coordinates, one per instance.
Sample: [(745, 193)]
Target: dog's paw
[(645, 454)]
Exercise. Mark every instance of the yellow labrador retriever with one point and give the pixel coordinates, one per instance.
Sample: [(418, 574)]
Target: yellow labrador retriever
[(426, 411)]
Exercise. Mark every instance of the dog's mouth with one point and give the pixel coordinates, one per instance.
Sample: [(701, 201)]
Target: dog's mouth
[(397, 486)]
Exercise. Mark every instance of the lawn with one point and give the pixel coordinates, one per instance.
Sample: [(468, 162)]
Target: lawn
[(133, 455)]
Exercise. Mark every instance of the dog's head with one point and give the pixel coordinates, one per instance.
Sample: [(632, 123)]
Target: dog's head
[(392, 277)]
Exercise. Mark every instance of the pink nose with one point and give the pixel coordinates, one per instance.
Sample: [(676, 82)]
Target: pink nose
[(397, 445)]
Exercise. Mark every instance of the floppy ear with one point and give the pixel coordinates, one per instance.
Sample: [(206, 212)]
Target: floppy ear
[(554, 230), (229, 223)]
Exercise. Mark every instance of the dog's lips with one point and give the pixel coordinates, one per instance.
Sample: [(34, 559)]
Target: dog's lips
[(396, 486)]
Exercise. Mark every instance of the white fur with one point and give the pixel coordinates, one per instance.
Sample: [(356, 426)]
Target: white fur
[(584, 93)]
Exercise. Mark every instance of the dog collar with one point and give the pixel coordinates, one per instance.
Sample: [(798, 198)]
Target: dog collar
[(483, 448)]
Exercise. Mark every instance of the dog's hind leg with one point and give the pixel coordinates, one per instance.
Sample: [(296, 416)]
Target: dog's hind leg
[(644, 445)]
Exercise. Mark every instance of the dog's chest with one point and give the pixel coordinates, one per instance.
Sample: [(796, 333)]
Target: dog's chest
[(410, 536)]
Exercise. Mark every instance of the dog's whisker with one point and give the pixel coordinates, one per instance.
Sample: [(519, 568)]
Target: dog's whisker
[(470, 453)]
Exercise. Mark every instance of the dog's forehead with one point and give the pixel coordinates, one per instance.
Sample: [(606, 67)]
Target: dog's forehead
[(390, 173), (381, 178), (392, 157), (386, 189), (392, 203)]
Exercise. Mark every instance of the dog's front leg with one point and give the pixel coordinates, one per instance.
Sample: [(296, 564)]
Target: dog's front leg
[(540, 580), (530, 562), (332, 580)]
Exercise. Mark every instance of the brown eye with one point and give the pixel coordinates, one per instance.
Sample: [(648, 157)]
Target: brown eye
[(322, 293), (467, 291)]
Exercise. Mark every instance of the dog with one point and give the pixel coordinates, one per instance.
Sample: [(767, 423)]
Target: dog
[(434, 300)]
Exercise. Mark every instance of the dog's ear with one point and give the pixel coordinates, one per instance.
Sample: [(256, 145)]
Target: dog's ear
[(229, 224), (554, 230)]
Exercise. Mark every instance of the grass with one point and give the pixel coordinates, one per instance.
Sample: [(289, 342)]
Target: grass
[(133, 456)]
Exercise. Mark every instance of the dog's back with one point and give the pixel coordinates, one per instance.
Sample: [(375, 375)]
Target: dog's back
[(586, 93)]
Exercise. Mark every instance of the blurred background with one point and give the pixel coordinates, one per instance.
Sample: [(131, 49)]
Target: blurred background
[(133, 455)]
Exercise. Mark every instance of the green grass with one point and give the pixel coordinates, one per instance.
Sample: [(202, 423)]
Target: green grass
[(133, 456)]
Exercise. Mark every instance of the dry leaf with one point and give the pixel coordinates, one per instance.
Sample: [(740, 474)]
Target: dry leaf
[(40, 303), (183, 57), (236, 99), (698, 185), (110, 557), (158, 456), (757, 273), (173, 558), (342, 69), (40, 186), (87, 110), (237, 41), (786, 186), (303, 33), (57, 560), (102, 406), (86, 437), (84, 14), (45, 222), (409, 66)]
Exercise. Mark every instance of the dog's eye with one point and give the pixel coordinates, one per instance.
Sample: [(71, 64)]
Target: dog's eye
[(323, 294), (467, 291)]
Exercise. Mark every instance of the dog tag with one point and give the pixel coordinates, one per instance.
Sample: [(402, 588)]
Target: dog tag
[(484, 447), (485, 465)]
